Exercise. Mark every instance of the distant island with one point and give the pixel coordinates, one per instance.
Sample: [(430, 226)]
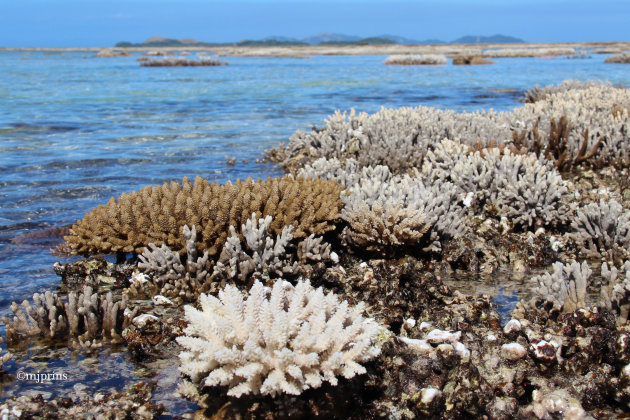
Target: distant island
[(325, 38)]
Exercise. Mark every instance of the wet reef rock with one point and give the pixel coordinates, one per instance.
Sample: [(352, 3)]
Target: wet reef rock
[(283, 340), (157, 214)]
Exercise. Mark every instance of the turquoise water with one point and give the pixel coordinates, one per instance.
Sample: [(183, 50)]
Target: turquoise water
[(76, 130)]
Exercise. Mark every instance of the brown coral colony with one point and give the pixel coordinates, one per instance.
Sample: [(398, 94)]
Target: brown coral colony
[(156, 214)]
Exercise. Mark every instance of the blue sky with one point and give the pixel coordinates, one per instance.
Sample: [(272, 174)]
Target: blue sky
[(65, 23)]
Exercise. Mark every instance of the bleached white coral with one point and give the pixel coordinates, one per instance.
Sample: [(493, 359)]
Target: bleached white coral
[(283, 340)]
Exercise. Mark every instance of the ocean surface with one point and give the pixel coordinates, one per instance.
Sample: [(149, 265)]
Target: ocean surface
[(76, 130)]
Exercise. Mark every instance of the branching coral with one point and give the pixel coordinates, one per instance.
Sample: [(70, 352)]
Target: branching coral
[(603, 229), (527, 190), (87, 317), (537, 196), (265, 254), (400, 138), (169, 277), (565, 288), (385, 215), (283, 340), (157, 214), (4, 357), (615, 293)]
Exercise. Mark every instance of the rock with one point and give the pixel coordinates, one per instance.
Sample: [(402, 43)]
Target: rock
[(513, 351), (439, 336), (543, 351), (161, 300), (513, 326), (144, 319)]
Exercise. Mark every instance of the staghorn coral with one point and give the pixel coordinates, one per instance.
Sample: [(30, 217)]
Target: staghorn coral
[(169, 277), (383, 215), (565, 288), (87, 317), (615, 294), (532, 195), (399, 138), (415, 59), (283, 340), (314, 249), (157, 214), (266, 255), (522, 187), (603, 228)]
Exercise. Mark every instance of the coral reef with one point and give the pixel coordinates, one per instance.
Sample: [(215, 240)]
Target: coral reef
[(618, 59), (4, 357), (183, 62), (615, 293), (157, 214), (87, 317), (539, 93), (283, 340), (110, 52), (521, 187), (603, 229), (528, 52), (469, 60), (415, 59), (400, 138)]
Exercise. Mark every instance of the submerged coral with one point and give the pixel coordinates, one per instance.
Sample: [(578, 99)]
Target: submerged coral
[(157, 214), (283, 340)]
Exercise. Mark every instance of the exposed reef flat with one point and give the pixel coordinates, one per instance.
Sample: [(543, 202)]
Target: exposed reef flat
[(336, 291), (525, 49)]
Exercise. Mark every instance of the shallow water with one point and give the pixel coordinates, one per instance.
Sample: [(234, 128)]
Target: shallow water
[(76, 130)]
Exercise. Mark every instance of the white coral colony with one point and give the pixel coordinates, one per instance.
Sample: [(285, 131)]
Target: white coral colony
[(283, 340)]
